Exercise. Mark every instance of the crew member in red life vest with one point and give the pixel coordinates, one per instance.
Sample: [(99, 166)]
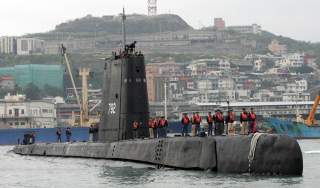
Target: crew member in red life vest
[(244, 122), (151, 127), (163, 123), (135, 128), (193, 124), (219, 123), (230, 121), (185, 121), (197, 122), (155, 128), (210, 123), (252, 122)]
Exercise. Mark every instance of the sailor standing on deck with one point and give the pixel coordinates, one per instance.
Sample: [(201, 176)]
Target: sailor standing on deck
[(91, 131), (219, 123), (210, 120), (185, 121), (244, 122), (197, 121), (155, 129), (230, 121), (151, 127), (193, 124), (68, 134), (163, 123), (135, 129), (59, 133), (252, 122)]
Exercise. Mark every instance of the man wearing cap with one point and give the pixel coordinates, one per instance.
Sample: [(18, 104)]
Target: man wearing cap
[(219, 123)]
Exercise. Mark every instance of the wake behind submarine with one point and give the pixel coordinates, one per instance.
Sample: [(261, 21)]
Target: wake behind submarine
[(125, 100)]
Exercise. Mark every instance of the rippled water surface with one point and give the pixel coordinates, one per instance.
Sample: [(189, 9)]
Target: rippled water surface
[(25, 171)]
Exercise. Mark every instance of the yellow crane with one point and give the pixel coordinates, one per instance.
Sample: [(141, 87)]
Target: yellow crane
[(84, 73), (310, 121)]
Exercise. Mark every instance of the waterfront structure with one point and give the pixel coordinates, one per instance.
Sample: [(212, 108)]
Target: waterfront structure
[(30, 46), (17, 112), (8, 45)]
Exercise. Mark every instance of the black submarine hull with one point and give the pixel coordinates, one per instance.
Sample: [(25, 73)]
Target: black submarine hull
[(274, 154)]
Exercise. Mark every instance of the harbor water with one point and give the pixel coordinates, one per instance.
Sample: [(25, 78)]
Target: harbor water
[(27, 171)]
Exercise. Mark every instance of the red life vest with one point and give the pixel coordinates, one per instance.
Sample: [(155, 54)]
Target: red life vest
[(155, 124), (232, 117), (151, 124), (197, 119), (162, 123), (210, 120), (185, 120), (252, 116), (135, 125), (219, 116), (244, 116)]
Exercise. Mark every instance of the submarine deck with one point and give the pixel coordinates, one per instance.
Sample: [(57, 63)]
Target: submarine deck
[(275, 154)]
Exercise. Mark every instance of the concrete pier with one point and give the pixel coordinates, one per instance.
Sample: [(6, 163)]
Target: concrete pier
[(274, 154)]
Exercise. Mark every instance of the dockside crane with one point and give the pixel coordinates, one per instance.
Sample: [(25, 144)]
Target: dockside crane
[(84, 73), (310, 121)]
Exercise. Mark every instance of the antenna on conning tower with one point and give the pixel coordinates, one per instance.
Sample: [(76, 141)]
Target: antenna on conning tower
[(123, 30)]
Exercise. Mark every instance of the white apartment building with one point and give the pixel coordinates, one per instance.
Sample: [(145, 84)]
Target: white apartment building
[(247, 29), (298, 86), (29, 46), (16, 112), (226, 84), (291, 60), (291, 97), (8, 45)]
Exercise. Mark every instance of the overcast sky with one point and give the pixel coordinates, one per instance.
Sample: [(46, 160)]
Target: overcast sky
[(294, 18)]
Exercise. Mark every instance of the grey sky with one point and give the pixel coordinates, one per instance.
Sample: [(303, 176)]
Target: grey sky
[(293, 18)]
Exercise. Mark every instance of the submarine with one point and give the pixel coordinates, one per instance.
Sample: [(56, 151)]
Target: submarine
[(125, 100)]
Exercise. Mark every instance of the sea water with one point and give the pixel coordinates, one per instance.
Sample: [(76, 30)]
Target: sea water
[(33, 172)]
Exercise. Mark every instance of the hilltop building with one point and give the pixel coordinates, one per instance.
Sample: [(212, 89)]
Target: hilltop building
[(21, 46), (8, 45), (246, 29), (30, 46)]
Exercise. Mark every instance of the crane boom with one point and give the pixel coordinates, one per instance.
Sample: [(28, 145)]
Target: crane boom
[(63, 50), (310, 120)]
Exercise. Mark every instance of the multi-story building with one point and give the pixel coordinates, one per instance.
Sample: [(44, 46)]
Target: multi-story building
[(248, 29), (30, 46), (7, 83), (276, 48), (16, 112), (298, 86), (8, 45), (219, 24), (291, 60)]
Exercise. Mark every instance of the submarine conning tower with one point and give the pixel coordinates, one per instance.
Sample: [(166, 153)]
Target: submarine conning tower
[(125, 97)]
